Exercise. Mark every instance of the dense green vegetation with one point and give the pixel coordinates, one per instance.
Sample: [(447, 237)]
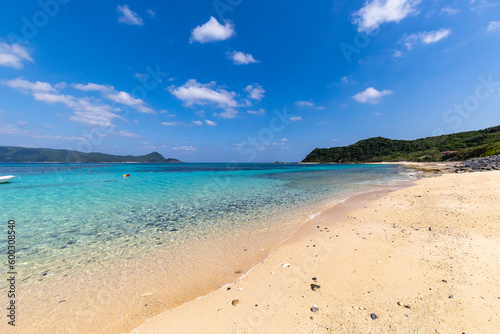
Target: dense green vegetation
[(468, 145), (23, 154)]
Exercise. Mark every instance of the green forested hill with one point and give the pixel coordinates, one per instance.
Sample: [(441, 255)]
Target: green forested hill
[(468, 145), (23, 154)]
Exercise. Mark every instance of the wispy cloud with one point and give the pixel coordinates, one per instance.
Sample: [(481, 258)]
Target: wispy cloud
[(126, 133), (93, 87), (211, 123), (493, 26), (376, 12), (86, 110), (371, 95), (185, 148), (13, 55), (295, 118), (481, 4), (450, 10), (255, 92), (257, 112), (425, 37), (240, 58), (10, 129), (26, 85), (175, 123), (121, 97), (195, 93), (128, 16), (212, 31), (151, 13), (348, 80), (308, 104)]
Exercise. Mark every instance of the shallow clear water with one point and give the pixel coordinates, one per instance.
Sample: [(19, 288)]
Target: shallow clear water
[(66, 215)]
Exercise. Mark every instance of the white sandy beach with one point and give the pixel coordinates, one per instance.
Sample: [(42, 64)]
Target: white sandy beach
[(423, 259)]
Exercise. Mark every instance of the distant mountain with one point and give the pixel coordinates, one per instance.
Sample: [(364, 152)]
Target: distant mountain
[(453, 147), (23, 154)]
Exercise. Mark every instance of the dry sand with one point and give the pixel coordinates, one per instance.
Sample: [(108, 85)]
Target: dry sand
[(423, 259)]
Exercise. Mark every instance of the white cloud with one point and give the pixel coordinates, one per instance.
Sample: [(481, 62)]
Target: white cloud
[(12, 55), (151, 13), (184, 148), (347, 80), (116, 96), (22, 122), (284, 139), (257, 112), (76, 138), (211, 123), (434, 36), (175, 123), (255, 92), (197, 123), (371, 95), (240, 58), (397, 54), (126, 133), (86, 110), (376, 12), (450, 10), (425, 37), (124, 98), (193, 92), (228, 113), (128, 16), (295, 118), (212, 31), (482, 4), (493, 26), (28, 85), (308, 104), (93, 87), (53, 98)]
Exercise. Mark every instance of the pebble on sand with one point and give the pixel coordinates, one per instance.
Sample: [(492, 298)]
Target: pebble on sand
[(235, 302), (315, 287), (373, 316)]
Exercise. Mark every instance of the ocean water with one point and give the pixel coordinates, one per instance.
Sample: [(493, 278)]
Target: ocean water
[(89, 218)]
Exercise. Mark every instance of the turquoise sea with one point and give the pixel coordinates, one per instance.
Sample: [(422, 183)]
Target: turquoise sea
[(74, 217)]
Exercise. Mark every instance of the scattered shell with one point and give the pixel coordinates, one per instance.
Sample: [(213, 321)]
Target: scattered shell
[(285, 265)]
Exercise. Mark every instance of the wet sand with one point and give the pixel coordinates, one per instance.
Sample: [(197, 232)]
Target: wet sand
[(422, 259)]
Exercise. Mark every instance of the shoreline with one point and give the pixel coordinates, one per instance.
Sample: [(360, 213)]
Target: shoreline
[(285, 304), (122, 294)]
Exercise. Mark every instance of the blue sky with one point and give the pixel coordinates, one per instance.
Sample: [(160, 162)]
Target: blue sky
[(240, 80)]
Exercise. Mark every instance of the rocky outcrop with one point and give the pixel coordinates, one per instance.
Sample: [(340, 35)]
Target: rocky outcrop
[(479, 164)]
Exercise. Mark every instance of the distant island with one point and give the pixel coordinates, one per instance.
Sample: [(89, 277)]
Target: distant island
[(11, 154), (453, 147)]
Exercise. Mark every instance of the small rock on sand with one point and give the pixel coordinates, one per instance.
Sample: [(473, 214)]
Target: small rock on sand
[(373, 316), (235, 302), (315, 287)]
